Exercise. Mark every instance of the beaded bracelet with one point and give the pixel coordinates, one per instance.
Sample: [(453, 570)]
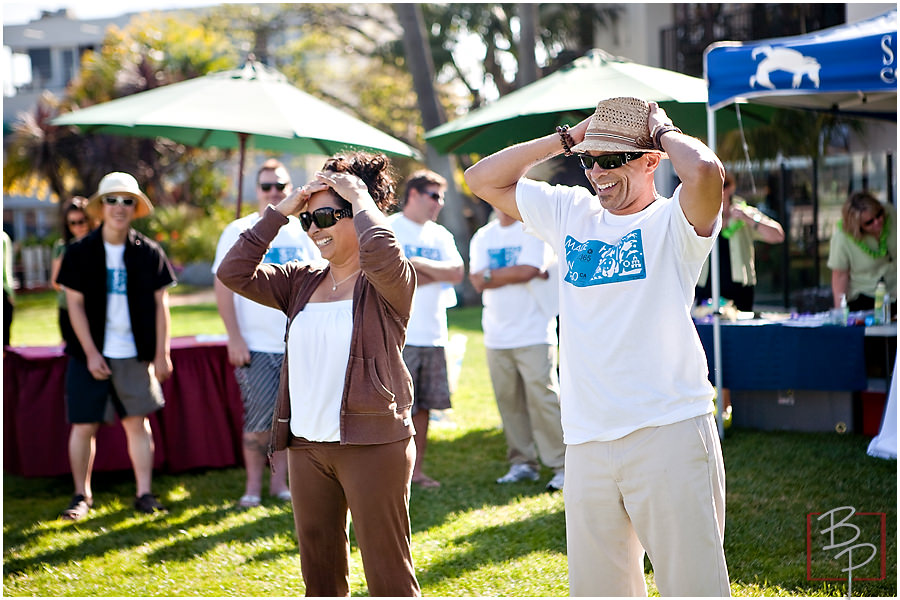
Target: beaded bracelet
[(565, 139), (660, 130)]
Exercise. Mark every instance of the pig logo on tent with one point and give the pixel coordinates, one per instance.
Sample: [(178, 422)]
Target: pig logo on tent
[(783, 59)]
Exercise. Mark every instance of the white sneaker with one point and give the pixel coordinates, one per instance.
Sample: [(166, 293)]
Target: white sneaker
[(519, 472), (556, 483)]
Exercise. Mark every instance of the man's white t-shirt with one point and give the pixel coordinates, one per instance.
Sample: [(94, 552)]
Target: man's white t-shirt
[(263, 327), (630, 356), (118, 340), (428, 321), (512, 315)]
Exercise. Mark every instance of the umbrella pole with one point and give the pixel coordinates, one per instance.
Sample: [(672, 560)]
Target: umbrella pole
[(240, 191)]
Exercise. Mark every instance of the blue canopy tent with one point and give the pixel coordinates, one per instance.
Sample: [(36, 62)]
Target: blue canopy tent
[(849, 69)]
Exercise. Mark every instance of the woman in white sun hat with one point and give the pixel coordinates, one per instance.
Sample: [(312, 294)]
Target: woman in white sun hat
[(116, 282)]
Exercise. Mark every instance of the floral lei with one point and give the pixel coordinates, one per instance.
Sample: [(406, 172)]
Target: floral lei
[(882, 241)]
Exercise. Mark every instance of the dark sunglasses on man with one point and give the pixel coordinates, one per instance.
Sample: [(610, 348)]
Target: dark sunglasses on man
[(123, 200), (436, 196), (324, 217), (268, 186), (607, 161)]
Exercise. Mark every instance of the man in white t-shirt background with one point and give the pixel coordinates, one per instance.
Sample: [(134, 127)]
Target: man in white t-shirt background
[(644, 468), (509, 268), (432, 251), (256, 335)]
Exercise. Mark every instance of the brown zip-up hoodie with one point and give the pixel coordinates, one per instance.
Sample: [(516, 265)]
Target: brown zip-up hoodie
[(378, 391)]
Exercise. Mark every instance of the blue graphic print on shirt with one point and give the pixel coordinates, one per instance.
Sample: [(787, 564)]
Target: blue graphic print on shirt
[(116, 281), (596, 263), (280, 256), (423, 251), (503, 257)]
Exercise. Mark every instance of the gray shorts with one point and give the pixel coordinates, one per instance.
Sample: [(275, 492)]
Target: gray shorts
[(428, 367), (259, 381), (130, 391)]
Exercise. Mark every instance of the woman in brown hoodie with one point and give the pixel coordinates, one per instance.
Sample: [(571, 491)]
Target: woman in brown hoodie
[(344, 404)]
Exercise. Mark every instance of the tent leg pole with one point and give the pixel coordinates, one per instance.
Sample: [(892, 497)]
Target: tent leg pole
[(714, 291)]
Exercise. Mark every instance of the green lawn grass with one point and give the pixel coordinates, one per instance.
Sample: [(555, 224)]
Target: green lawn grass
[(471, 537)]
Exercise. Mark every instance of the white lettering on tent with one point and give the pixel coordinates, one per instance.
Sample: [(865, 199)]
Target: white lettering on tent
[(889, 72)]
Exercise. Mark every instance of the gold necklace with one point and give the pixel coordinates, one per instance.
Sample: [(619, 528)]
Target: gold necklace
[(335, 284)]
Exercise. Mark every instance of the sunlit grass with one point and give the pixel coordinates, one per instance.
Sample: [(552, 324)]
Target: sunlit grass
[(471, 537)]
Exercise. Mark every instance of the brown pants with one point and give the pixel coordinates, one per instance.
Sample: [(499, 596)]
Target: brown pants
[(372, 482)]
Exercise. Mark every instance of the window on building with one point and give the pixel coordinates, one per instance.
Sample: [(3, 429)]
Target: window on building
[(41, 70)]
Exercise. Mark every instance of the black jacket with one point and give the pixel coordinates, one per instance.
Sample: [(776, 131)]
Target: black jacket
[(83, 269)]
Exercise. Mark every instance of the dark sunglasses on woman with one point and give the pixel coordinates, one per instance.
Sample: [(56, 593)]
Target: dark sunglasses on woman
[(877, 216), (607, 161), (324, 217)]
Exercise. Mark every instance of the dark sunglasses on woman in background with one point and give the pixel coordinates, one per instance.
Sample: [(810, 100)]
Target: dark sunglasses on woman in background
[(123, 200), (607, 161), (77, 222), (324, 217), (877, 216), (268, 186)]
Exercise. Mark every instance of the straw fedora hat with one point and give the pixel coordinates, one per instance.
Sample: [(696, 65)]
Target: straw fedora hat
[(119, 184), (619, 125)]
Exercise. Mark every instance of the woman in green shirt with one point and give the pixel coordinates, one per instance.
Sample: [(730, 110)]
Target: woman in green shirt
[(863, 250)]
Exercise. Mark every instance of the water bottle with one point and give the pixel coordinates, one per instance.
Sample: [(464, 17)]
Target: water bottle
[(887, 308), (845, 310), (880, 289)]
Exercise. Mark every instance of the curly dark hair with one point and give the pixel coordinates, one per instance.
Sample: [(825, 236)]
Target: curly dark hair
[(374, 169)]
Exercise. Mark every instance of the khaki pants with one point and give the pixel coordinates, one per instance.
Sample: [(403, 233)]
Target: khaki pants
[(659, 489), (527, 391), (372, 482)]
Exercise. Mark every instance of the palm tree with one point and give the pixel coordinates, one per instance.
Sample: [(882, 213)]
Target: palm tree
[(33, 150)]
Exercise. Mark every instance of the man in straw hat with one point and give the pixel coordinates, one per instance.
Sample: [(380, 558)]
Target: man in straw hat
[(644, 467), (116, 283)]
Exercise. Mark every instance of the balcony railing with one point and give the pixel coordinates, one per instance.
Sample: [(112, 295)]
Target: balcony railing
[(699, 25)]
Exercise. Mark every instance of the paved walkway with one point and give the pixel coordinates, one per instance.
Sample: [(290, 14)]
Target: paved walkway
[(199, 296)]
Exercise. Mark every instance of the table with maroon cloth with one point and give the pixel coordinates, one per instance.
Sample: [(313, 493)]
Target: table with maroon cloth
[(199, 427)]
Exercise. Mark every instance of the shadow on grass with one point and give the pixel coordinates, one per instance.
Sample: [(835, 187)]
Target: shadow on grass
[(468, 467), (775, 480), (499, 544), (123, 529)]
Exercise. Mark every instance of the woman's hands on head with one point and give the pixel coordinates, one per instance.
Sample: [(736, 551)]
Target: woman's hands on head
[(346, 185), (295, 202), (349, 187)]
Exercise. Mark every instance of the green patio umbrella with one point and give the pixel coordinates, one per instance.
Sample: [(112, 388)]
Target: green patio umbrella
[(569, 95), (251, 107)]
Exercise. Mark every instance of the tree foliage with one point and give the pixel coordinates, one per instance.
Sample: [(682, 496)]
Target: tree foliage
[(790, 133), (149, 52), (564, 32)]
